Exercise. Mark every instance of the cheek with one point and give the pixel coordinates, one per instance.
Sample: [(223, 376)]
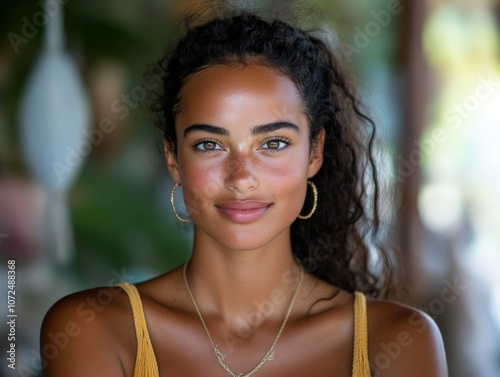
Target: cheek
[(289, 182), (290, 170), (201, 183), (289, 185)]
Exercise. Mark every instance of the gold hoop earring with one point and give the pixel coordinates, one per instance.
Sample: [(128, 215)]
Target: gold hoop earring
[(177, 185), (315, 205)]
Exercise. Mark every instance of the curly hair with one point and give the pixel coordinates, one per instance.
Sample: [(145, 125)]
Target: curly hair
[(341, 243)]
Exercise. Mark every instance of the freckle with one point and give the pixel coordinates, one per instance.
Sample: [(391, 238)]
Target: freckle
[(233, 163)]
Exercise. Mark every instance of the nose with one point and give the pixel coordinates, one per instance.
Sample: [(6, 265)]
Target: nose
[(239, 175)]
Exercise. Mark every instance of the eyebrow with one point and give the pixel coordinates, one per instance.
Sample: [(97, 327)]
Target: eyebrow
[(274, 127), (265, 128), (206, 128)]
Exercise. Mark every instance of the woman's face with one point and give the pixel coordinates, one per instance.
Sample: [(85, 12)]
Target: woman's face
[(243, 154)]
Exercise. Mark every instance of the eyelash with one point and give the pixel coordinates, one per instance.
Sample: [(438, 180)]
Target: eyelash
[(282, 139), (203, 141)]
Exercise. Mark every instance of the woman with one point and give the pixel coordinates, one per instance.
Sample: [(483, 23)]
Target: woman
[(256, 117)]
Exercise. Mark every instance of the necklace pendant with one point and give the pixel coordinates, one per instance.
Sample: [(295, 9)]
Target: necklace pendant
[(232, 374), (220, 355), (269, 356)]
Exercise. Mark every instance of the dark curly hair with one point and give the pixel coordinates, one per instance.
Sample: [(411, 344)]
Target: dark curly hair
[(341, 243)]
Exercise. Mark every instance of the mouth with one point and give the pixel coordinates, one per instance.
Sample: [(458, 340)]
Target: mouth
[(243, 212)]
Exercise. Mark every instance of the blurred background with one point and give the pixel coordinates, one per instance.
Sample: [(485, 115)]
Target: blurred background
[(84, 193)]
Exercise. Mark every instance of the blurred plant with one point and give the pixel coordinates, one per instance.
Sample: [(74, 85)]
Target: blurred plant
[(116, 216)]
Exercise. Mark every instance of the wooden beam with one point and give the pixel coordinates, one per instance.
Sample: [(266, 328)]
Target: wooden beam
[(416, 94)]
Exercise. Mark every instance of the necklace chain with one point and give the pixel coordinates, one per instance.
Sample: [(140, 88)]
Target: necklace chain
[(220, 356)]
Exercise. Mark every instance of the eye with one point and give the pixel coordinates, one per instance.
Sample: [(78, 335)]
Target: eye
[(207, 145), (276, 144)]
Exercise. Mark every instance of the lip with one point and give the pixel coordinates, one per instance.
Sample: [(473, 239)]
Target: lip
[(243, 212)]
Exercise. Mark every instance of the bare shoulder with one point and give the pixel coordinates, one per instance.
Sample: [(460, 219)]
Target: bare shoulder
[(88, 333), (403, 341)]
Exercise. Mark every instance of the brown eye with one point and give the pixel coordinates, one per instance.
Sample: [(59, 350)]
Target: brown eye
[(274, 144), (207, 145)]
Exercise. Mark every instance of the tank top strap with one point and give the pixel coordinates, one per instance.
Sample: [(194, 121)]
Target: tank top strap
[(360, 364), (145, 362)]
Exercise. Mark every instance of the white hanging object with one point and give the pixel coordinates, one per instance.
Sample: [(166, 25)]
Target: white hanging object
[(54, 121)]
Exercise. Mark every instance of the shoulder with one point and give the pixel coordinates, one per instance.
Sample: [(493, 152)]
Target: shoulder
[(403, 341), (88, 332), (90, 308)]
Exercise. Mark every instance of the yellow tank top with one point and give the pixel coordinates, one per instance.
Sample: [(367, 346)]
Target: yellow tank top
[(147, 366)]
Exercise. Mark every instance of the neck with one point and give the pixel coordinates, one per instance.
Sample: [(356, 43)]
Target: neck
[(237, 284)]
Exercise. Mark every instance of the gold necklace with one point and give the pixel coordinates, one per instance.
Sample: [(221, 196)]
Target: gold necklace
[(220, 356)]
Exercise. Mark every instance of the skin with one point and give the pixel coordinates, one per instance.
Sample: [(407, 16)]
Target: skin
[(240, 269)]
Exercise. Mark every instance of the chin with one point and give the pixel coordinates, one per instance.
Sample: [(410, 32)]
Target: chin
[(252, 238), (245, 242)]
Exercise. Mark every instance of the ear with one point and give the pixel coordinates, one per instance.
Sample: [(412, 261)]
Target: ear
[(171, 159), (316, 157)]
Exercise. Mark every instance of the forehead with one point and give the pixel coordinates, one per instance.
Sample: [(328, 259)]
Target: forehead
[(223, 95)]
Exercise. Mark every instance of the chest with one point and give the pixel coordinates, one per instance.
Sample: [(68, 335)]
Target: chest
[(308, 348)]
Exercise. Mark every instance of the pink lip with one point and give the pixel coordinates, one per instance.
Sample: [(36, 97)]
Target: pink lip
[(243, 212)]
